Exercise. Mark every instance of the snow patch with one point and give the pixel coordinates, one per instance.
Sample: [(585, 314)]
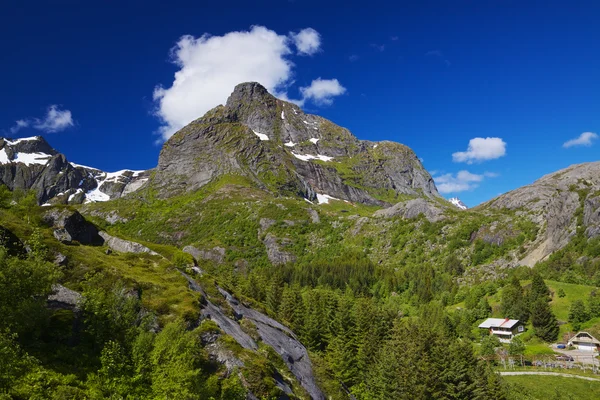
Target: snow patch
[(282, 115), (308, 201), (324, 198), (261, 136), (83, 166), (46, 205), (375, 146), (289, 144), (307, 157), (17, 141), (71, 197), (458, 203), (4, 157), (305, 122), (313, 140), (32, 158)]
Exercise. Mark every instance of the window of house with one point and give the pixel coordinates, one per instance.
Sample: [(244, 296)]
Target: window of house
[(521, 328)]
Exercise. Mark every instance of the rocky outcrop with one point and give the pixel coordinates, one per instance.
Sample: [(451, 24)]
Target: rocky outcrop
[(64, 298), (276, 255), (271, 332), (216, 254), (411, 209), (12, 243), (277, 146), (70, 226), (553, 202), (125, 246)]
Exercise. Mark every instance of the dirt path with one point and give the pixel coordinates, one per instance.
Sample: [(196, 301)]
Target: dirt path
[(511, 373)]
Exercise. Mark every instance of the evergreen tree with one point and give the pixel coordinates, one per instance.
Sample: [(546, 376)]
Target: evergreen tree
[(513, 303), (594, 304), (543, 321), (577, 314), (539, 290), (342, 347)]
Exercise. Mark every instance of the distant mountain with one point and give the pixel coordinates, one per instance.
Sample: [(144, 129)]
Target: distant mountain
[(31, 163), (458, 203)]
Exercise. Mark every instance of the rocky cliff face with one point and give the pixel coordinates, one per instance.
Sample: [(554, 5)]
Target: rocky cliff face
[(561, 202), (282, 149), (31, 163)]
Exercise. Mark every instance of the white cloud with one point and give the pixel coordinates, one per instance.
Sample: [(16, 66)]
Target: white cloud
[(322, 91), (56, 120), (481, 149), (211, 66), (20, 124), (307, 41), (585, 139), (461, 181)]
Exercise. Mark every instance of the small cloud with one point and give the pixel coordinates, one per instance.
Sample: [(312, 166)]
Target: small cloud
[(585, 139), (481, 149), (394, 38), (462, 181), (353, 58), (322, 91), (307, 41), (20, 124), (438, 54), (378, 47), (56, 120)]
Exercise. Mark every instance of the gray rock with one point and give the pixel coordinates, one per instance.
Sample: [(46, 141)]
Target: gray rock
[(216, 254), (224, 356), (274, 252), (60, 259), (314, 216), (411, 209), (64, 298), (70, 226), (125, 246)]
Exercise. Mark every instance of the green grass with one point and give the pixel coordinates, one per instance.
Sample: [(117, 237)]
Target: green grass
[(552, 387), (560, 306)]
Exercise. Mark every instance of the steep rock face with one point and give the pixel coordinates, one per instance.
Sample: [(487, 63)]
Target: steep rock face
[(553, 202), (280, 148), (31, 163)]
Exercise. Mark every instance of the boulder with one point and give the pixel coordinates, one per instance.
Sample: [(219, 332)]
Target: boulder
[(125, 246), (411, 209), (70, 226)]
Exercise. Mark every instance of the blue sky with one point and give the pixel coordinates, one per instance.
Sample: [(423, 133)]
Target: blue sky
[(430, 74)]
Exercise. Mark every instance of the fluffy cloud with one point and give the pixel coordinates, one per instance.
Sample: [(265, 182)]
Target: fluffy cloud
[(585, 139), (461, 181), (481, 149), (307, 41), (322, 91), (211, 66), (56, 120)]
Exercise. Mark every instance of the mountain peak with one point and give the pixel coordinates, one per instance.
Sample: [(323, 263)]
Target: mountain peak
[(248, 92)]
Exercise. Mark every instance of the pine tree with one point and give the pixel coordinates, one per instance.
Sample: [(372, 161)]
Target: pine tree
[(577, 314), (513, 304), (539, 290), (544, 321)]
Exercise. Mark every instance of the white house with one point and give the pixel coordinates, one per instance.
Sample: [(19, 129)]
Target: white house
[(584, 341), (503, 328)]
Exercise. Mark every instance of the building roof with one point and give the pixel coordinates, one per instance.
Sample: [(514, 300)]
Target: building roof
[(584, 337), (499, 323)]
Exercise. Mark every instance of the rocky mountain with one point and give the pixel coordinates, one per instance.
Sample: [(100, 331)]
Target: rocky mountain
[(31, 163), (286, 151), (560, 203), (458, 203)]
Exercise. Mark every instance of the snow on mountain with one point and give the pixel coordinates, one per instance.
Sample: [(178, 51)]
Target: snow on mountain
[(458, 203)]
